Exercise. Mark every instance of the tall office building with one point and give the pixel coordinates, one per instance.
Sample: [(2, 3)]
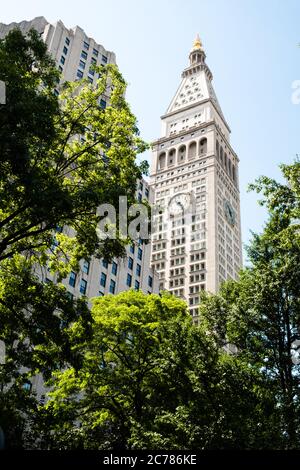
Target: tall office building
[(97, 277), (75, 53), (197, 240)]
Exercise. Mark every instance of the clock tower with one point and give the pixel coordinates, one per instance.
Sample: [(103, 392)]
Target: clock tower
[(196, 235)]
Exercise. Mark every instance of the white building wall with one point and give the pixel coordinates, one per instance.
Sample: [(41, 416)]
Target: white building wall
[(193, 159), (71, 48)]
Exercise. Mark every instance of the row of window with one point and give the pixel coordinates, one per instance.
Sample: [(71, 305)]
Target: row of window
[(167, 159), (114, 266), (103, 279), (129, 282), (95, 52), (112, 285), (179, 178), (83, 283), (226, 161), (182, 169), (186, 136), (82, 63)]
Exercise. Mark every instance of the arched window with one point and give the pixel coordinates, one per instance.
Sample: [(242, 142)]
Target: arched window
[(225, 161), (229, 167), (217, 149), (203, 146), (221, 155), (171, 157), (233, 173), (181, 153), (161, 161), (192, 150)]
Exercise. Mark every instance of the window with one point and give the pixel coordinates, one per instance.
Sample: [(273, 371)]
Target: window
[(147, 193), (141, 186), (72, 279), (62, 60), (130, 262), (140, 197), (112, 287), (102, 104), (84, 55), (93, 61), (114, 268), (103, 279), (140, 253), (101, 294), (60, 68), (86, 267), (82, 65), (132, 247), (150, 281), (79, 74), (129, 280), (69, 295), (86, 45), (90, 79), (65, 50), (67, 41), (27, 386), (83, 286), (95, 52), (136, 285), (91, 72), (138, 269), (104, 59), (104, 264)]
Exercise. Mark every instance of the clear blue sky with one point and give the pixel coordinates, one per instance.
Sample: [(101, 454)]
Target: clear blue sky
[(251, 48)]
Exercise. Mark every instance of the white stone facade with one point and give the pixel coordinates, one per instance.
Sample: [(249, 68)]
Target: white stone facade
[(194, 175), (74, 53)]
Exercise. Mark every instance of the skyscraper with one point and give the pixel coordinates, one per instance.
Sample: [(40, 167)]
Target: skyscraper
[(196, 244), (71, 48), (75, 53)]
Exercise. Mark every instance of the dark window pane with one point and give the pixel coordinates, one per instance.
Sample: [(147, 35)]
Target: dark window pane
[(114, 268), (83, 286), (103, 279), (72, 279)]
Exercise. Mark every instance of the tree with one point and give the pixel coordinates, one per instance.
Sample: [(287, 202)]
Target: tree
[(150, 379), (60, 158), (33, 324), (50, 176), (122, 370), (260, 314)]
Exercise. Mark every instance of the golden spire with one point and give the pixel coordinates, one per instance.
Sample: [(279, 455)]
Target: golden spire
[(197, 43)]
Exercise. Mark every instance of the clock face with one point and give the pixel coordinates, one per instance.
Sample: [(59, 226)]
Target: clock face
[(179, 203), (229, 213)]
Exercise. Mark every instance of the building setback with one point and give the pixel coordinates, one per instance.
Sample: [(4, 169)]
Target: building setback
[(197, 240)]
